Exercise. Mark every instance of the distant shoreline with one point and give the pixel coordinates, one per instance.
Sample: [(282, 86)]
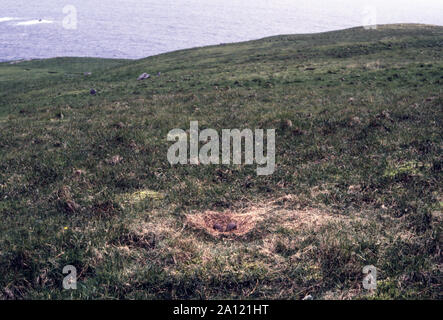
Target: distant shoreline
[(2, 60)]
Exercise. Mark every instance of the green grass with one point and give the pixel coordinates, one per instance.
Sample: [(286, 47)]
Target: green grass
[(358, 176)]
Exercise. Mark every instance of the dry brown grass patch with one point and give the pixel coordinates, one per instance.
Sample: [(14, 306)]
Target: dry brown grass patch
[(306, 219), (283, 212)]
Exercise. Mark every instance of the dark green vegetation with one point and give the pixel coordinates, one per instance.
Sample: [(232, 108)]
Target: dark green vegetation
[(84, 179)]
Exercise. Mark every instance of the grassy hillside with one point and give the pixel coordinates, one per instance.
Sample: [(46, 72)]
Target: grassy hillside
[(85, 181)]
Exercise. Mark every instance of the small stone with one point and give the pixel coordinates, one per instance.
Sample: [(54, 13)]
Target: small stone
[(143, 76), (308, 297), (218, 227), (231, 226)]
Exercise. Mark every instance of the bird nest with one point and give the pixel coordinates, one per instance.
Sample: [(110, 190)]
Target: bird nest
[(223, 224), (283, 212)]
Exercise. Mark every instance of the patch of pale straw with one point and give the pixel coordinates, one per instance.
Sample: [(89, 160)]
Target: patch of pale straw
[(279, 211)]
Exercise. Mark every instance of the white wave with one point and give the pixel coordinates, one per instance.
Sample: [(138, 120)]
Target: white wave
[(32, 22), (5, 19)]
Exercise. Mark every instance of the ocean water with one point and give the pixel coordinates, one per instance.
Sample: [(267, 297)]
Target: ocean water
[(139, 28)]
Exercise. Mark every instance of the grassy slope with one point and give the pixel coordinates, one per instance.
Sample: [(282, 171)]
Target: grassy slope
[(364, 149)]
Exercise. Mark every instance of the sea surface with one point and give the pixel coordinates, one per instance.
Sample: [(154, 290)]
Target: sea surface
[(139, 28)]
